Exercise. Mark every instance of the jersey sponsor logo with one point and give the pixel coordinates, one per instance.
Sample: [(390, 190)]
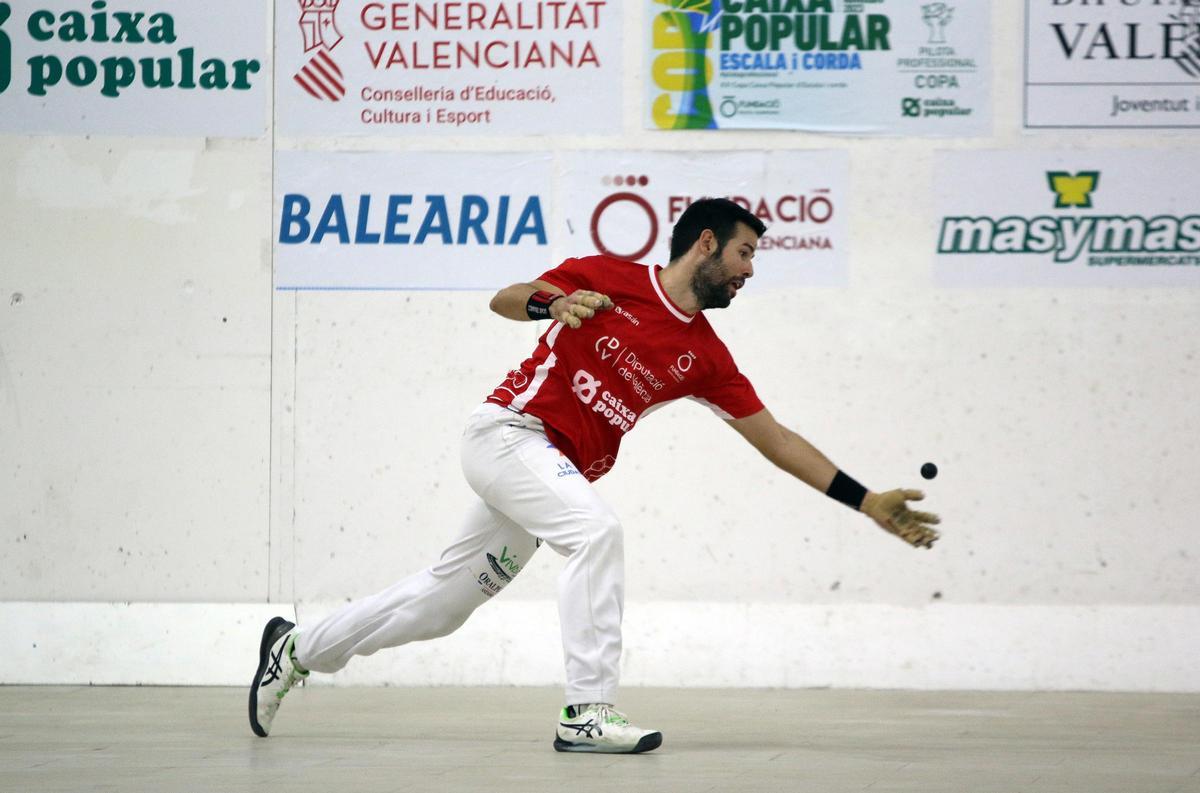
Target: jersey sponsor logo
[(609, 406), (600, 467), (607, 346), (613, 409), (585, 386), (518, 378), (683, 364), (629, 366), (623, 313), (635, 371)]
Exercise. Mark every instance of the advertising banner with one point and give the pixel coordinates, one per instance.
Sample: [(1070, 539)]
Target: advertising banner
[(496, 67), (849, 66), (1095, 218), (409, 221), (143, 67), (1126, 64), (625, 203)]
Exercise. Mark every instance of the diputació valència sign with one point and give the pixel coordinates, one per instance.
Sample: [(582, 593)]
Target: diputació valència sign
[(171, 66)]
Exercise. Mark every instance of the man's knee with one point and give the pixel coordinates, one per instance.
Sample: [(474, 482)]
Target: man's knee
[(444, 624), (601, 532)]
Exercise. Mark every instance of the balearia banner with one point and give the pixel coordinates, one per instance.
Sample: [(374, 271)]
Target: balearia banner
[(858, 66), (1133, 63), (625, 203), (138, 67), (1094, 218), (348, 220), (348, 67)]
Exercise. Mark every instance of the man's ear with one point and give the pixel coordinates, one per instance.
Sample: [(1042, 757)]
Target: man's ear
[(708, 242)]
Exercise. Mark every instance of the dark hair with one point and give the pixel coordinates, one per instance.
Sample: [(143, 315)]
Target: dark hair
[(719, 214)]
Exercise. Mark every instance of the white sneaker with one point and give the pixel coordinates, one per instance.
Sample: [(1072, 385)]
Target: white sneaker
[(600, 728), (276, 674)]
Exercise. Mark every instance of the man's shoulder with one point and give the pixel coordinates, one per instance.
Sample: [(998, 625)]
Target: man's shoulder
[(609, 268), (710, 339), (609, 262)]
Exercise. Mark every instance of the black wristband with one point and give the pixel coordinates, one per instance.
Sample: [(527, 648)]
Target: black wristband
[(846, 490), (538, 304)]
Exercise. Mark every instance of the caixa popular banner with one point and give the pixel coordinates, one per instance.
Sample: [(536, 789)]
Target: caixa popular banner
[(410, 221), (1093, 218), (444, 67), (625, 204), (140, 67), (858, 66)]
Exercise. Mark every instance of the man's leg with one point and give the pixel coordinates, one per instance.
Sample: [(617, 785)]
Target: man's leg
[(514, 468), (488, 553)]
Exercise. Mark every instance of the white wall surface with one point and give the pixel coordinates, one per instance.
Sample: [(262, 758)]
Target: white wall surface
[(171, 431), (135, 337)]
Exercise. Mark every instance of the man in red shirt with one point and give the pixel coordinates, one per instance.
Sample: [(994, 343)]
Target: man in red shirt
[(626, 339)]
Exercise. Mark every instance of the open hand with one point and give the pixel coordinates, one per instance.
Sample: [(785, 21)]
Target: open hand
[(890, 510)]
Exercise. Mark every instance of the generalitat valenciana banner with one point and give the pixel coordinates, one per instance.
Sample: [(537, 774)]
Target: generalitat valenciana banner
[(510, 67)]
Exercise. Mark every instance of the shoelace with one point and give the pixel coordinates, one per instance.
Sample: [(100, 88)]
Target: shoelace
[(609, 715)]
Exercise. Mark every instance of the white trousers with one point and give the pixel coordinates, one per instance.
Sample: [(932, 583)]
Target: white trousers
[(528, 492)]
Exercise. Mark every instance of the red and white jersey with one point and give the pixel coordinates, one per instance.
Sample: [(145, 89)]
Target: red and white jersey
[(590, 385)]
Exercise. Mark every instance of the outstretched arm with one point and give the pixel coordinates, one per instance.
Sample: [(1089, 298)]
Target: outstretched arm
[(512, 302), (786, 449), (801, 459)]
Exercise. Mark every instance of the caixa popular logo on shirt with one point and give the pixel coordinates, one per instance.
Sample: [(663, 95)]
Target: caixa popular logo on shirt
[(111, 52), (610, 407), (411, 219)]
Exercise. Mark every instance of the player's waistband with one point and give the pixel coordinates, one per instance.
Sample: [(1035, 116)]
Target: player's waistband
[(510, 415)]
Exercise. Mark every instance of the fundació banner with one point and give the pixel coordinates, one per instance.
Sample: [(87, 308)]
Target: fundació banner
[(1116, 64), (138, 67), (856, 66), (346, 220), (625, 204), (1079, 218), (349, 67)]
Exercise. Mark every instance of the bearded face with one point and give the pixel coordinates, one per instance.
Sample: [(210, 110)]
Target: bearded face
[(712, 283)]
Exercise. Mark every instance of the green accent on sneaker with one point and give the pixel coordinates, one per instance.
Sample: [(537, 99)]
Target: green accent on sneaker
[(292, 654)]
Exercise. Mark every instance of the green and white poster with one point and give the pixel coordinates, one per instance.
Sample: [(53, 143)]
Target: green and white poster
[(892, 67), (1067, 218)]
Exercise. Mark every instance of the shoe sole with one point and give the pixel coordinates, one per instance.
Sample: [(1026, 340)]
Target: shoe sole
[(277, 627), (646, 744)]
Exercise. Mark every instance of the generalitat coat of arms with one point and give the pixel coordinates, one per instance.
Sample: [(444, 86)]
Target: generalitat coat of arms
[(321, 77)]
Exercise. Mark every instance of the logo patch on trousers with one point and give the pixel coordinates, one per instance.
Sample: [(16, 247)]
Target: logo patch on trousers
[(504, 576)]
